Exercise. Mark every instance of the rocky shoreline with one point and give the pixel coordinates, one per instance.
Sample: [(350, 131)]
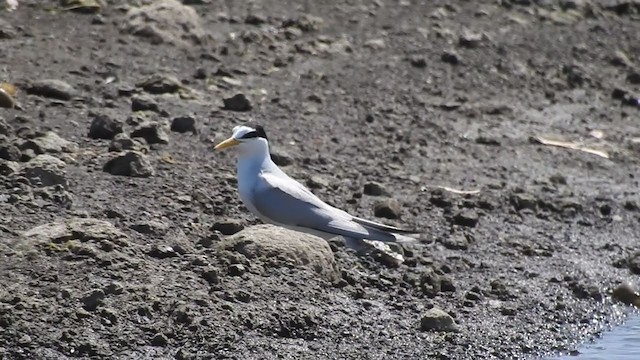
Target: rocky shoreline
[(506, 131)]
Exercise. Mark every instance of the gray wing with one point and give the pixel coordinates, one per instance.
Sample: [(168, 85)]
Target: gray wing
[(286, 202)]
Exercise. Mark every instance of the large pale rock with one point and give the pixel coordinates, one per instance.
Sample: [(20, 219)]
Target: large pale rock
[(277, 247), (44, 170), (165, 21), (89, 235)]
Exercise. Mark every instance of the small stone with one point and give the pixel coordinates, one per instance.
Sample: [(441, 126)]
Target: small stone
[(634, 78), (466, 217), (317, 182), (159, 339), (255, 19), (436, 319), (131, 163), (418, 62), (211, 275), (152, 132), (374, 189), (243, 296), (151, 227), (633, 263), (115, 288), (450, 57), (183, 124), (447, 285), (52, 88), (470, 40), (626, 294), (10, 152), (456, 242), (238, 102), (160, 84), (122, 142), (306, 23), (104, 127), (280, 156), (620, 58), (93, 299), (375, 44), (228, 227), (558, 179), (236, 269), (200, 74), (144, 103), (162, 252), (389, 208), (524, 201), (473, 296)]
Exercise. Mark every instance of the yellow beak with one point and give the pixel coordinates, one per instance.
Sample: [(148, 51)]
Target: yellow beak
[(226, 144)]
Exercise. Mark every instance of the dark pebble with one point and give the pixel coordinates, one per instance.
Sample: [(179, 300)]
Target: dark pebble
[(183, 124), (389, 208), (104, 127), (238, 102), (466, 217), (228, 227)]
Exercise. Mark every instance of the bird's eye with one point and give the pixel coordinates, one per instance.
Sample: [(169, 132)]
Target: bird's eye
[(249, 135)]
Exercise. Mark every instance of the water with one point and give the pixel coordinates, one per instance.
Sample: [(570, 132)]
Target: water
[(621, 343)]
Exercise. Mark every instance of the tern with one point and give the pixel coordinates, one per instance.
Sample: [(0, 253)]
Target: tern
[(276, 198)]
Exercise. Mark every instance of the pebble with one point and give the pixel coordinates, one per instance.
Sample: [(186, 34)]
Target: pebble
[(183, 124), (634, 263), (131, 163), (52, 88), (122, 142), (228, 227), (626, 294), (165, 21), (162, 252), (144, 103), (418, 62), (151, 227), (634, 77), (104, 127), (152, 132), (160, 84), (524, 201), (450, 57), (280, 156), (317, 182), (10, 152), (211, 275), (374, 189), (388, 208), (470, 40), (159, 339), (255, 19), (236, 269), (466, 217), (93, 299), (456, 241), (238, 102), (436, 319)]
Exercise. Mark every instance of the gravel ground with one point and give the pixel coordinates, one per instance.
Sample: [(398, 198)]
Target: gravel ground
[(507, 131)]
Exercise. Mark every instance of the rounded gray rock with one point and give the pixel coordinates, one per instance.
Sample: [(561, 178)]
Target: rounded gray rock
[(279, 247)]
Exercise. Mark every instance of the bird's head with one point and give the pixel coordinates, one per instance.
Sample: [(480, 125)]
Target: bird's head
[(249, 140)]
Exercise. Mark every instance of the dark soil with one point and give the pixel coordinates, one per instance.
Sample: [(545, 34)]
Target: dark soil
[(413, 96)]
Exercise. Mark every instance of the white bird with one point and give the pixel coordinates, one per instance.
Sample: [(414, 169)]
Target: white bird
[(275, 198)]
